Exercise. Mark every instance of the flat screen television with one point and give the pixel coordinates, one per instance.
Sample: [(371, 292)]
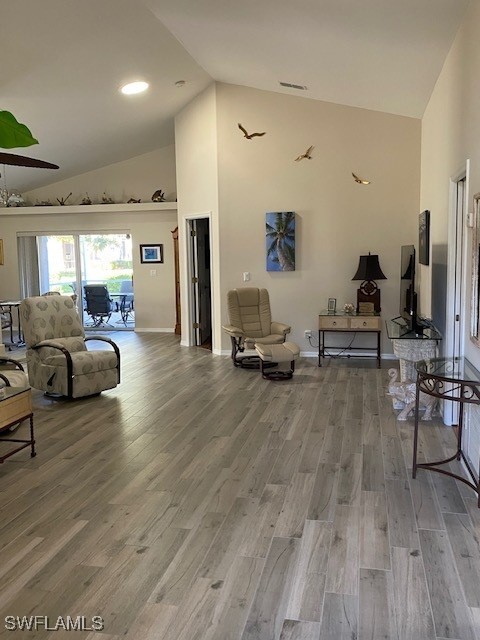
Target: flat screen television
[(408, 296)]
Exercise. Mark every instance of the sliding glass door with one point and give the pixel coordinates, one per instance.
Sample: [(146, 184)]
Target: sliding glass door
[(97, 268), (57, 263)]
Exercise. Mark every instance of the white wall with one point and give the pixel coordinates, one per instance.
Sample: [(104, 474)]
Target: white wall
[(337, 219), (450, 135), (197, 183), (137, 177)]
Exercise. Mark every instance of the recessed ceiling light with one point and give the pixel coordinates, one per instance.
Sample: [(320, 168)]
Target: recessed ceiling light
[(134, 87)]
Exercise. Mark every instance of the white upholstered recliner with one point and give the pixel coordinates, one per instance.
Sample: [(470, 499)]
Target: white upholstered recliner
[(57, 356), (12, 373), (250, 323)]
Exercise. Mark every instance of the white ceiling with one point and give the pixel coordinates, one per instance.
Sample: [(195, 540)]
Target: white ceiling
[(63, 61)]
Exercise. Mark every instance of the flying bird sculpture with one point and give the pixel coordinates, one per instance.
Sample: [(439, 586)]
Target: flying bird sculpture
[(306, 154), (359, 180), (247, 135)]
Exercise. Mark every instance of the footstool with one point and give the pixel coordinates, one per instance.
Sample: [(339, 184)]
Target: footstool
[(277, 353)]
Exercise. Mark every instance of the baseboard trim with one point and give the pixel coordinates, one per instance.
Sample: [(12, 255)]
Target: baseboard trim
[(155, 330)]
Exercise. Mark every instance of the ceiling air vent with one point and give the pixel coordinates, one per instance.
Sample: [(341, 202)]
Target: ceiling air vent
[(290, 85)]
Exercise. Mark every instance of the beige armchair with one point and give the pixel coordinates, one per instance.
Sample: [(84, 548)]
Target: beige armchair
[(57, 357), (251, 323)]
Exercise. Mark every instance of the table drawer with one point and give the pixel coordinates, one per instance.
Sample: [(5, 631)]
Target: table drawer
[(335, 322), (360, 323), (15, 408)]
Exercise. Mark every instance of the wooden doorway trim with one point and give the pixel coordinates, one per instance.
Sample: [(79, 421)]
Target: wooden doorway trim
[(178, 314)]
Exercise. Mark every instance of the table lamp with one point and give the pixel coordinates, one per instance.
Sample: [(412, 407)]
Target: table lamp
[(368, 294)]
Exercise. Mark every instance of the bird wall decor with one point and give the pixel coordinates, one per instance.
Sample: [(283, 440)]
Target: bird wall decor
[(249, 136), (360, 180), (306, 154)]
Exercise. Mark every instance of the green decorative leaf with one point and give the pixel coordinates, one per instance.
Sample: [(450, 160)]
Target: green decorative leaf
[(14, 134)]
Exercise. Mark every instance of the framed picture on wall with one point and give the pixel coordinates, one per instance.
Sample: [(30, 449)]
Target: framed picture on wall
[(280, 240), (151, 253), (424, 237)]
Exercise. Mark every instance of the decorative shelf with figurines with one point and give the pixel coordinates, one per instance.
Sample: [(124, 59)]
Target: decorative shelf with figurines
[(13, 204)]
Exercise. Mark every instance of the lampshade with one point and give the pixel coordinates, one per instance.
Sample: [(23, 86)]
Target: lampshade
[(369, 269)]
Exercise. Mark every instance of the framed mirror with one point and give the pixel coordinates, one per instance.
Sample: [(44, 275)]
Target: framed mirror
[(475, 320)]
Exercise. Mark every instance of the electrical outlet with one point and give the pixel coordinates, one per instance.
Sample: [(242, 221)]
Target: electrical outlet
[(308, 333)]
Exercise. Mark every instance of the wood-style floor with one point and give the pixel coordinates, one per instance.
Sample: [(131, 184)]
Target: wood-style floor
[(199, 502)]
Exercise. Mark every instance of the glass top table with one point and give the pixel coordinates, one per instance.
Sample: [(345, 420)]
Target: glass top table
[(449, 378), (456, 380), (398, 330)]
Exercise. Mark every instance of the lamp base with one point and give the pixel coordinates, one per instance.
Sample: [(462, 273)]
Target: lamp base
[(368, 298)]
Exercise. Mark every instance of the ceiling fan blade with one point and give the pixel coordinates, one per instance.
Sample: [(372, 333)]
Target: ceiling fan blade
[(23, 161)]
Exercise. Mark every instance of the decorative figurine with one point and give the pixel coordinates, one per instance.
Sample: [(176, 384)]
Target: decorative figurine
[(306, 155), (247, 135), (86, 199), (62, 201), (106, 199), (3, 198), (348, 307), (15, 199), (133, 201), (43, 203), (359, 180), (405, 392), (158, 196)]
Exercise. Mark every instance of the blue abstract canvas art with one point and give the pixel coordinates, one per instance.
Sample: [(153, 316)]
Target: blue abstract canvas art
[(280, 241)]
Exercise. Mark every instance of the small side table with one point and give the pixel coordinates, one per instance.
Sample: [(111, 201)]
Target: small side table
[(15, 406), (450, 379), (341, 322)]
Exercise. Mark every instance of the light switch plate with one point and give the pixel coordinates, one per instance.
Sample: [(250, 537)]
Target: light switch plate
[(246, 276)]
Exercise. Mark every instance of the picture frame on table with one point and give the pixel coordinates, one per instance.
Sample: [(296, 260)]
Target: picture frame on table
[(332, 305), (151, 253)]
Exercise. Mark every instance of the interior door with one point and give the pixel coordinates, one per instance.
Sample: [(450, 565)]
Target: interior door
[(203, 258), (201, 285), (457, 333), (455, 321), (176, 261)]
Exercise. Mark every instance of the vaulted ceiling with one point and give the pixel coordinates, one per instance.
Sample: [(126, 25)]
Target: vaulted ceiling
[(63, 62)]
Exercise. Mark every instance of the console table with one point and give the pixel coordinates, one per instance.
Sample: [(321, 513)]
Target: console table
[(411, 347), (342, 322), (452, 379)]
